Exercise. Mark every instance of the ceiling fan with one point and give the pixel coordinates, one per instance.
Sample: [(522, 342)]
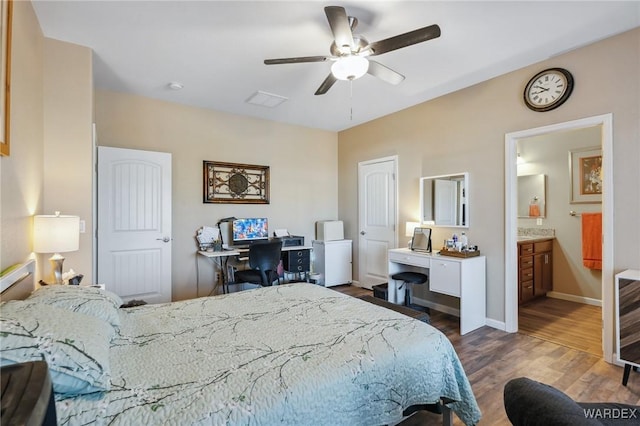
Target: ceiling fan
[(350, 52)]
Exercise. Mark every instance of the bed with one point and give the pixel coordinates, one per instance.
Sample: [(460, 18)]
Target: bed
[(290, 354)]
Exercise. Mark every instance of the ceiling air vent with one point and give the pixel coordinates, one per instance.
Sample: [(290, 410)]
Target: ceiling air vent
[(265, 99)]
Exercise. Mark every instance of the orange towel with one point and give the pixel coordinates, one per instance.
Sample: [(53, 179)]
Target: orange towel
[(592, 240), (534, 210)]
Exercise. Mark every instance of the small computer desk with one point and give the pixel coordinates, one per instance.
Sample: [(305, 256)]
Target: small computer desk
[(220, 260), (296, 259)]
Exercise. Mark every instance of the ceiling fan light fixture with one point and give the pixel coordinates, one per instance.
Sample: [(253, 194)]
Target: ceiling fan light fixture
[(350, 67)]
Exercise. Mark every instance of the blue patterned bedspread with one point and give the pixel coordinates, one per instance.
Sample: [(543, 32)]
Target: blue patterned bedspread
[(293, 354)]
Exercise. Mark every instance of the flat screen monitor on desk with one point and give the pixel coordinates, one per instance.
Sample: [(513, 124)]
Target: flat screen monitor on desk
[(249, 230)]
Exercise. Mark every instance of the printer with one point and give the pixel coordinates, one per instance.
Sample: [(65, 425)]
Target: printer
[(292, 240)]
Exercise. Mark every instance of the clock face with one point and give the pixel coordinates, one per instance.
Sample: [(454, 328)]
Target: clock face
[(548, 89)]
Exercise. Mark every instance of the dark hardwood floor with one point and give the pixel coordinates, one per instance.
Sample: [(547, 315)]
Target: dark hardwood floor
[(492, 357)]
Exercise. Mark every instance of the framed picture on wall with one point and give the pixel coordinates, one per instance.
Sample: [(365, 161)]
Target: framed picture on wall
[(6, 11), (235, 183), (585, 171)]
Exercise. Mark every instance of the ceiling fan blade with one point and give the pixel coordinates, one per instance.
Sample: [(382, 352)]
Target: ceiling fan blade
[(339, 23), (404, 40), (298, 60), (384, 73), (326, 85)]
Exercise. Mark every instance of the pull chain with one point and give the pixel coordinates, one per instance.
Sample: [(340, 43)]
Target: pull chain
[(351, 99)]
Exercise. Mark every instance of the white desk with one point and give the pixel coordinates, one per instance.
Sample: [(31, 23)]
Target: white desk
[(464, 278), (221, 258)]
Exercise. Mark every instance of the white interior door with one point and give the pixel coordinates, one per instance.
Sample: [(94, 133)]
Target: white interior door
[(445, 213), (134, 223), (377, 208)]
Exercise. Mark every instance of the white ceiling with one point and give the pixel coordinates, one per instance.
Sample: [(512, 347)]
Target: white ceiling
[(216, 49)]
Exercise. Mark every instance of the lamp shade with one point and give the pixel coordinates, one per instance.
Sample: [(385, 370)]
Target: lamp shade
[(409, 227), (56, 233), (350, 67)]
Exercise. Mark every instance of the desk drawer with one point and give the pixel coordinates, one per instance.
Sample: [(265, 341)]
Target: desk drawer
[(410, 259), (296, 260), (444, 277)]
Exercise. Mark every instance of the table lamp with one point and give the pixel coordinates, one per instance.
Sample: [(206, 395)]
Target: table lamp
[(56, 234)]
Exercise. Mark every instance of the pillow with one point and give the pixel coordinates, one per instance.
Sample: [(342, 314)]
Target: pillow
[(92, 301), (75, 346)]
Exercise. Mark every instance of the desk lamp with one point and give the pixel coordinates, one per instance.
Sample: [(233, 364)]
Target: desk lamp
[(56, 234)]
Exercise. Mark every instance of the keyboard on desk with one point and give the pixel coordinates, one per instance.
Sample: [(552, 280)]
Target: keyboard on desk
[(243, 252)]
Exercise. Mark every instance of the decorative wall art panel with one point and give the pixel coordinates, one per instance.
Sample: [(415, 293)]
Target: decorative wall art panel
[(235, 183), (585, 170)]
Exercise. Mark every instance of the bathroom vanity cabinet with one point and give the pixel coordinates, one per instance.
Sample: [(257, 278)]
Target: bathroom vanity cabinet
[(535, 268)]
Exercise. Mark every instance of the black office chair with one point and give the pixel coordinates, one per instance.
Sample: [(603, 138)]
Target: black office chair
[(263, 261), (531, 403)]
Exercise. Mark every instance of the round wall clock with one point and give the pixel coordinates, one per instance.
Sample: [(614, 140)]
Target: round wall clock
[(548, 89)]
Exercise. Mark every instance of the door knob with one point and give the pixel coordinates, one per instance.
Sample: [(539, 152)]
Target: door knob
[(362, 232), (164, 240)]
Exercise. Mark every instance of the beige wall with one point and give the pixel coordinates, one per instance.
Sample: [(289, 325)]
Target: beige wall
[(50, 163), (68, 152), (465, 131), (303, 169), (548, 155), (22, 186)]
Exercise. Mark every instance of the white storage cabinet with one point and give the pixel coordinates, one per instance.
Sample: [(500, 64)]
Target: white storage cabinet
[(333, 260)]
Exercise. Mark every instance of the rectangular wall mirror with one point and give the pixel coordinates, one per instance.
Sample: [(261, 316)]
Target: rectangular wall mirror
[(532, 196), (444, 200)]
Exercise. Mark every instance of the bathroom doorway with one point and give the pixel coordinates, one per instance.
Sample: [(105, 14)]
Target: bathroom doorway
[(604, 125), (567, 311)]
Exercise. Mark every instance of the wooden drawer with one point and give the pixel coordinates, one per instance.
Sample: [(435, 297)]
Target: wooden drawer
[(526, 262), (526, 275), (525, 249), (526, 291), (543, 246)]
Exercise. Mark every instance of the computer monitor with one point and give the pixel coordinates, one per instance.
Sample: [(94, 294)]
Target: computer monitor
[(248, 230)]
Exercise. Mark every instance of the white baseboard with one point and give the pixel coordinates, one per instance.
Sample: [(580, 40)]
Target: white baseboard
[(358, 284), (499, 325), (574, 298)]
